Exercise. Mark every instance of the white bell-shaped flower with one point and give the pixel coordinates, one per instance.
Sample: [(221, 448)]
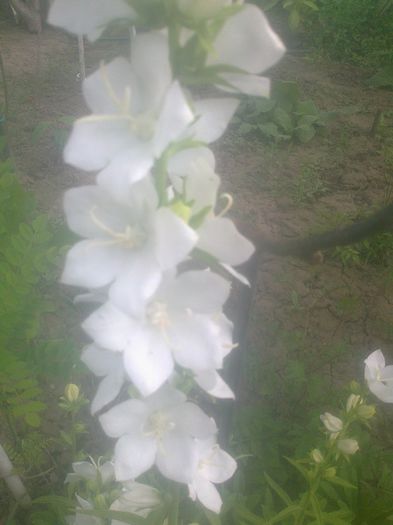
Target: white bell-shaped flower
[(136, 498), (214, 466), (88, 17), (161, 430), (181, 322), (129, 241), (379, 377), (91, 471)]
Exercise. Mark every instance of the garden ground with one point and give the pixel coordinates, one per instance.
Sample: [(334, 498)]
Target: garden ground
[(307, 318)]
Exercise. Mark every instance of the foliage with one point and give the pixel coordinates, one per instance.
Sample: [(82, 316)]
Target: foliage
[(284, 116), (358, 31), (297, 10)]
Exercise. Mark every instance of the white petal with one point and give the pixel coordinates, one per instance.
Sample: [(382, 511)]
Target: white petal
[(88, 17), (105, 91), (165, 398), (136, 284), (213, 384), (217, 465), (383, 392), (109, 327), (375, 362), (95, 140), (108, 389), (93, 263), (201, 291), (107, 472), (207, 494), (126, 168), (85, 470), (174, 239), (126, 418), (387, 374), (252, 85), (133, 456), (148, 361), (101, 362), (177, 457), (213, 117), (175, 117), (180, 163), (219, 237), (150, 63), (247, 41), (239, 276), (194, 342), (190, 420)]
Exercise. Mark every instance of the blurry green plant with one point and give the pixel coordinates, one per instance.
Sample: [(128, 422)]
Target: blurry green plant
[(284, 116), (297, 10)]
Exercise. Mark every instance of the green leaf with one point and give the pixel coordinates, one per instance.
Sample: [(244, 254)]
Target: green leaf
[(286, 94), (33, 419), (278, 490), (307, 107), (316, 508), (304, 133), (342, 483), (283, 119), (294, 19), (291, 509)]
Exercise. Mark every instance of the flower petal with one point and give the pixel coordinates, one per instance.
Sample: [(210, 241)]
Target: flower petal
[(93, 264), (382, 391), (217, 466), (109, 327), (165, 398), (252, 85), (148, 361), (177, 457), (180, 163), (190, 420), (213, 384), (212, 118), (219, 237), (375, 362), (134, 454), (247, 41), (88, 17), (108, 389), (85, 470), (126, 418), (174, 239), (101, 362), (207, 494)]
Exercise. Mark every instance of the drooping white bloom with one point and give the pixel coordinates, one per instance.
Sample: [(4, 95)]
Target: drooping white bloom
[(246, 41), (193, 176), (332, 423), (136, 498), (110, 367), (379, 377), (214, 466), (181, 322), (88, 17), (91, 471), (159, 430), (129, 241)]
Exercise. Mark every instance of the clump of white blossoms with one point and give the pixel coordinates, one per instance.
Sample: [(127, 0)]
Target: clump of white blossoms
[(153, 209)]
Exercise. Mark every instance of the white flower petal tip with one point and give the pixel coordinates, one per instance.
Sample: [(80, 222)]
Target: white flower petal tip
[(88, 17), (379, 377)]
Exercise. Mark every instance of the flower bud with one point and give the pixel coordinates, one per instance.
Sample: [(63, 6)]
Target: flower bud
[(181, 210), (330, 473), (200, 9), (366, 411), (316, 455), (332, 423), (348, 446), (353, 401), (71, 392)]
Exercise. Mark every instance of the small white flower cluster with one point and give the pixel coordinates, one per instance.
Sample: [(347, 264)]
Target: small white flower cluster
[(153, 205)]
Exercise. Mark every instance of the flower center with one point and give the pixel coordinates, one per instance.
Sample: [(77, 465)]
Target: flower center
[(158, 424), (158, 316), (132, 237)]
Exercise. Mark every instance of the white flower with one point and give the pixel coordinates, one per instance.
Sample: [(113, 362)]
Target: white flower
[(379, 377), (160, 429), (137, 112), (129, 242), (181, 322), (246, 41), (88, 17), (192, 175), (82, 519), (110, 367), (214, 466), (348, 446), (91, 471), (332, 423), (136, 498)]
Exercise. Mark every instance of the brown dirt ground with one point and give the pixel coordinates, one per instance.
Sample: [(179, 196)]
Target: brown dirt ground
[(334, 303)]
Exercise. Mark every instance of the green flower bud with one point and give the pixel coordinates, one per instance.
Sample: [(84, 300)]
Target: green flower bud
[(329, 473), (316, 455), (366, 411), (353, 401), (348, 446), (332, 423), (71, 392), (181, 210)]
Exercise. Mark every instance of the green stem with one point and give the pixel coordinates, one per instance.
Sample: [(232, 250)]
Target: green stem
[(173, 516)]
